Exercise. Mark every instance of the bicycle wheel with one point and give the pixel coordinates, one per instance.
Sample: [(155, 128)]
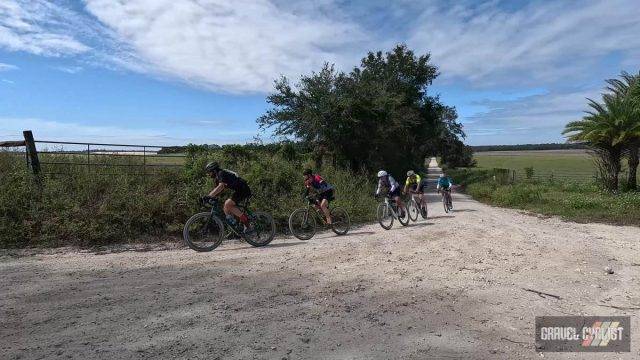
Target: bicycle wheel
[(404, 220), (424, 212), (444, 203), (203, 232), (302, 224), (450, 202), (414, 211), (264, 229), (340, 221), (385, 217)]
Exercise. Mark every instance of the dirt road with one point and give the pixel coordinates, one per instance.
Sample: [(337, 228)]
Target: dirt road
[(448, 287)]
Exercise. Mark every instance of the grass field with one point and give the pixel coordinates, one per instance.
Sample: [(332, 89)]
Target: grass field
[(555, 160)]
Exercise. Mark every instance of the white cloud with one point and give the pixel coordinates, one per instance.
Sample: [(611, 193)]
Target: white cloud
[(538, 43), (75, 132), (530, 119), (38, 27), (7, 67), (69, 69), (234, 46)]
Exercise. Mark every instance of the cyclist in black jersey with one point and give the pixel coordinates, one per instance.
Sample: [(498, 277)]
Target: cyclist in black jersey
[(227, 179)]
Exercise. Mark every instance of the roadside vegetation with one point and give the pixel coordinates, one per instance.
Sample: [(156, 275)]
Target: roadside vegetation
[(575, 201), (611, 132), (346, 125)]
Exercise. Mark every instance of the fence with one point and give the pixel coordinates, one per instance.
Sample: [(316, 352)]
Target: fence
[(95, 157), (531, 174)]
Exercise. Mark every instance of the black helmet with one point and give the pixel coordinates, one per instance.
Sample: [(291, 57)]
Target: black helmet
[(212, 166), (307, 172)]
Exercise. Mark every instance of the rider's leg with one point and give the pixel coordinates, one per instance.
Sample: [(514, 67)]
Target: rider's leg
[(230, 208), (400, 203), (324, 205)]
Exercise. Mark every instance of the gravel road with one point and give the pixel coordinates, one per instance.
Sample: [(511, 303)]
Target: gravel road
[(448, 287)]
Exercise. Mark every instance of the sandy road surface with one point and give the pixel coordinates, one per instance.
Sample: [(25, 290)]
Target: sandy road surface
[(448, 287)]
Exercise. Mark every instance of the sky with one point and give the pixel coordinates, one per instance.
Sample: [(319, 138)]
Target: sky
[(172, 72)]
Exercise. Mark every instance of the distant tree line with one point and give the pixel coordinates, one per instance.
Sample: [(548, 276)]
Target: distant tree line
[(550, 146)]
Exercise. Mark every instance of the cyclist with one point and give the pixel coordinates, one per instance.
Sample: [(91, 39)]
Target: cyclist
[(415, 185), (228, 179), (386, 181), (411, 184), (323, 190), (444, 183)]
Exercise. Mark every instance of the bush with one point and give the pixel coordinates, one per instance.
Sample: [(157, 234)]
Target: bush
[(84, 208)]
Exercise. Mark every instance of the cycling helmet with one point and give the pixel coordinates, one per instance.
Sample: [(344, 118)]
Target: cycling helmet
[(410, 173), (212, 166), (382, 173), (307, 172)]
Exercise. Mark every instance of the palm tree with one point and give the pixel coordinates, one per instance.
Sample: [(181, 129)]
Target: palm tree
[(601, 128), (628, 88)]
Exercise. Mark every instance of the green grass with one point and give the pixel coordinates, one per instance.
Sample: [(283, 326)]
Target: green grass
[(581, 202), (546, 162)]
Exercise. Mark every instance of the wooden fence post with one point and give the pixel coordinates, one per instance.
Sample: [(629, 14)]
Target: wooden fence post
[(32, 153)]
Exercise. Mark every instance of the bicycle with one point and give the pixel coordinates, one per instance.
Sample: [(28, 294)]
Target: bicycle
[(417, 206), (412, 207), (302, 221), (388, 211), (205, 231), (447, 202)]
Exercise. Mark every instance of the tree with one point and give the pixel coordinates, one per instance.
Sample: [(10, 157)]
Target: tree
[(601, 128), (627, 88), (378, 115)]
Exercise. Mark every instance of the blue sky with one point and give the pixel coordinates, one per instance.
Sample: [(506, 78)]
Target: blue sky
[(197, 71)]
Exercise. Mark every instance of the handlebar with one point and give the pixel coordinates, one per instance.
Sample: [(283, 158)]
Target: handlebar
[(208, 201)]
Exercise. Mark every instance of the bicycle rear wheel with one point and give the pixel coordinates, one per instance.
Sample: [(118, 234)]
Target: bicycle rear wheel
[(424, 211), (413, 209), (384, 215), (302, 224), (203, 232), (340, 222), (264, 229), (445, 203), (404, 220)]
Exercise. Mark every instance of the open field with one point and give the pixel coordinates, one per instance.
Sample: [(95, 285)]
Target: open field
[(543, 160), (451, 287)]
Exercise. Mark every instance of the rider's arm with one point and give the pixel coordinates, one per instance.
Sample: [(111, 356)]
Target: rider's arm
[(218, 189), (393, 184), (379, 188)]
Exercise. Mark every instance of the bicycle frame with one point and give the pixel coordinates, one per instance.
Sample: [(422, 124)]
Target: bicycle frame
[(389, 204), (217, 212)]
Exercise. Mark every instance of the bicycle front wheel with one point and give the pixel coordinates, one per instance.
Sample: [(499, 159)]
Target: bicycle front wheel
[(413, 210), (385, 216), (445, 203), (302, 224), (340, 222), (203, 232), (263, 229)]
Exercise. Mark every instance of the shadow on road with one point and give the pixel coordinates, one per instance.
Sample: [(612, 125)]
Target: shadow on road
[(441, 217)]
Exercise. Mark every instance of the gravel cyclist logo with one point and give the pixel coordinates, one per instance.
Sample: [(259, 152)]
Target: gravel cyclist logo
[(583, 333)]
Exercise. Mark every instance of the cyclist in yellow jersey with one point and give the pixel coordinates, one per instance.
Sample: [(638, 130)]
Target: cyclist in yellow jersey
[(412, 182), (415, 185)]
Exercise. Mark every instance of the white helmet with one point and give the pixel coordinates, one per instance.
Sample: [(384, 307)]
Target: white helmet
[(410, 173), (442, 175), (382, 173)]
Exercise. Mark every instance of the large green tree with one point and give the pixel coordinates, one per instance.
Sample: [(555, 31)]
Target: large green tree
[(379, 115)]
